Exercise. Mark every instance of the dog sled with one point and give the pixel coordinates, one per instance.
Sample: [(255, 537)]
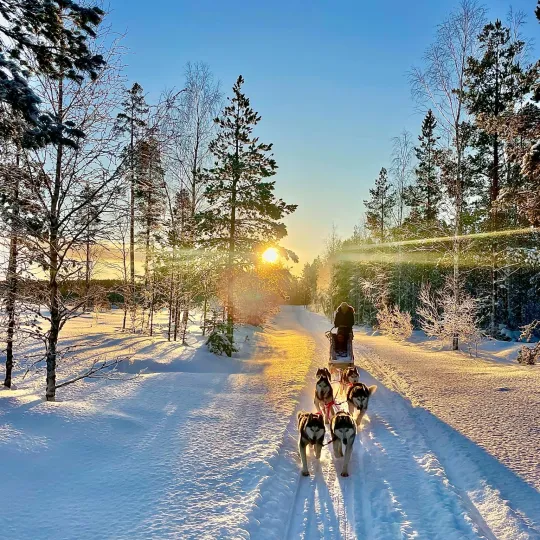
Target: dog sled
[(341, 353)]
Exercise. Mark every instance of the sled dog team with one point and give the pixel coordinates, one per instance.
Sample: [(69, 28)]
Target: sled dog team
[(343, 425)]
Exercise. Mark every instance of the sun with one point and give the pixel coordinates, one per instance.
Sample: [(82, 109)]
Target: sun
[(271, 255)]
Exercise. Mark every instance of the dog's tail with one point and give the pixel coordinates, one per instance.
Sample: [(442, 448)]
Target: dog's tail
[(372, 389), (301, 414)]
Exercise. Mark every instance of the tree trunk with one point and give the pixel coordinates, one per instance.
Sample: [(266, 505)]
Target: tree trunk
[(12, 281), (232, 238), (170, 311), (151, 314), (87, 275), (205, 306), (176, 317), (185, 320), (132, 211), (125, 276), (52, 341), (457, 229)]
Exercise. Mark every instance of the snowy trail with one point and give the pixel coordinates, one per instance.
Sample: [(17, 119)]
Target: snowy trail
[(397, 488), (412, 476), (203, 447)]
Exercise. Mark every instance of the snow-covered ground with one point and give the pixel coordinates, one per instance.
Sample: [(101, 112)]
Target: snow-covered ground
[(205, 447), (492, 400)]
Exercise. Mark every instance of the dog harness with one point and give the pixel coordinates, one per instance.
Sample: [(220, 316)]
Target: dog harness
[(329, 405)]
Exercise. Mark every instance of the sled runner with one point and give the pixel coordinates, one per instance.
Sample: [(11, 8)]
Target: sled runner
[(341, 354)]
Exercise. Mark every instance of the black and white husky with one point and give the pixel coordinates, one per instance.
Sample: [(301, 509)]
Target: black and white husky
[(310, 431), (358, 399), (324, 394), (348, 377), (343, 430)]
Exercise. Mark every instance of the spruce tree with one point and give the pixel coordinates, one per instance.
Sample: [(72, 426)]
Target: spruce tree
[(90, 219), (243, 210), (426, 194), (131, 122), (493, 82), (380, 206), (149, 193)]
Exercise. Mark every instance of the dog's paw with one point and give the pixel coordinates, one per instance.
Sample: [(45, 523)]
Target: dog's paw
[(344, 474), (305, 473)]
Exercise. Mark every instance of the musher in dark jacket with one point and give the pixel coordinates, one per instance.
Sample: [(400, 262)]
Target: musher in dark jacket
[(344, 318), (343, 321)]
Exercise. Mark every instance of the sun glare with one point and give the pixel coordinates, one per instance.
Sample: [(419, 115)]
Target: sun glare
[(271, 255)]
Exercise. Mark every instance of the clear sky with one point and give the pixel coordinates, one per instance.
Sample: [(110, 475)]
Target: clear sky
[(329, 79)]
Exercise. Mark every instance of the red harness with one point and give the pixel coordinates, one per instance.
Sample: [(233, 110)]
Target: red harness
[(329, 405)]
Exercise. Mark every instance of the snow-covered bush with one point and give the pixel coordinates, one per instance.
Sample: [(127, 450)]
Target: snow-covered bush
[(394, 323), (449, 314), (529, 355), (220, 342), (528, 330)]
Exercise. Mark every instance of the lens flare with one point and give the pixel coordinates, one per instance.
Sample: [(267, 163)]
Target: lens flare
[(271, 255)]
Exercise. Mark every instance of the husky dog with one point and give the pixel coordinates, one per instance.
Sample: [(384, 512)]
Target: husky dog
[(310, 431), (358, 398), (343, 431), (324, 394), (348, 377)]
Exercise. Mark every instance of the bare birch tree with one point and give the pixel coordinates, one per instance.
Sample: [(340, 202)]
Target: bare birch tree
[(440, 85), (63, 181), (401, 171)]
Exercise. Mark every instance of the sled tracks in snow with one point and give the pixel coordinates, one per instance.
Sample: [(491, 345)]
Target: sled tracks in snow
[(411, 476)]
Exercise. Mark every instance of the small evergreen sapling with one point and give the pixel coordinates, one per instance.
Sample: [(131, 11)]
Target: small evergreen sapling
[(220, 341)]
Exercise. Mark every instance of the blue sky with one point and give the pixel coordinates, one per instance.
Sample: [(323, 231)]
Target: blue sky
[(328, 78)]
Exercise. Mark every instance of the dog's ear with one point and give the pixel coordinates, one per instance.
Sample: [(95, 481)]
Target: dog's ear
[(372, 389), (300, 414)]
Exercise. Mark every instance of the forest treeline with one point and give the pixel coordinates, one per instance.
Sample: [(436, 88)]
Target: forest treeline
[(171, 200), (449, 234)]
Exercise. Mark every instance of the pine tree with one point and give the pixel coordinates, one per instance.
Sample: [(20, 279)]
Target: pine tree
[(493, 82), (426, 193), (179, 226), (90, 218), (149, 193), (34, 38), (529, 199), (131, 121), (244, 211), (380, 206)]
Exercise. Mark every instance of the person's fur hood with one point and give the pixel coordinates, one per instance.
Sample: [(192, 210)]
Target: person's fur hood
[(344, 307)]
